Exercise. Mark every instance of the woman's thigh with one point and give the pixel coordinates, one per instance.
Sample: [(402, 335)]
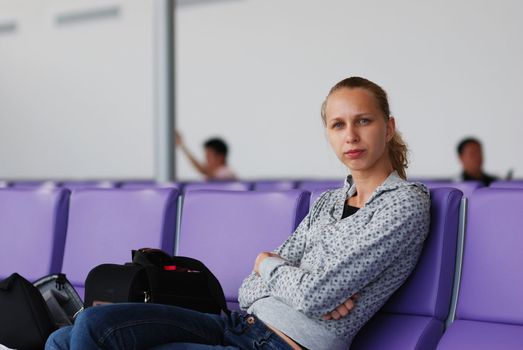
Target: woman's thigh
[(142, 326)]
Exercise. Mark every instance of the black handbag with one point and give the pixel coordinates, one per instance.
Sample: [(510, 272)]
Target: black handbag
[(156, 277), (25, 322)]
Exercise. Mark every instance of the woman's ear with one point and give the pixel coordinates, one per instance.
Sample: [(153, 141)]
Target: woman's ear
[(391, 128)]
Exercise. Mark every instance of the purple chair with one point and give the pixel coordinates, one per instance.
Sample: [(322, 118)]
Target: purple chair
[(490, 308), (414, 317), (32, 231), (507, 184), (149, 184), (274, 185), (77, 185), (467, 187), (34, 184), (315, 194), (227, 230), (320, 185), (106, 224), (217, 185)]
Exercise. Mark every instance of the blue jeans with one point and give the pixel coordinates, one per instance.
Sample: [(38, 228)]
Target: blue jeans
[(162, 327)]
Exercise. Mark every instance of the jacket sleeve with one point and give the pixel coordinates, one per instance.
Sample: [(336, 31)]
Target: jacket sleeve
[(253, 287), (358, 260), (292, 249)]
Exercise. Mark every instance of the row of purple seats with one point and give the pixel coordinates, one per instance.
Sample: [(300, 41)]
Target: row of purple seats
[(99, 219), (47, 230), (73, 185), (104, 225), (256, 185)]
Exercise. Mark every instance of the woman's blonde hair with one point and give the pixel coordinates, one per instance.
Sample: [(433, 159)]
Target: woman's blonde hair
[(398, 150)]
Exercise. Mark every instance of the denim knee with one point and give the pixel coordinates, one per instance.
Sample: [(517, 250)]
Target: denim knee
[(59, 340), (87, 319)]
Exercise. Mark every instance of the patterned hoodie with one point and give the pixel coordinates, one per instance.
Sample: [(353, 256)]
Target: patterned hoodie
[(328, 259)]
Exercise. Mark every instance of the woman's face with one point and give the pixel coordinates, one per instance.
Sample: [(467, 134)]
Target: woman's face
[(358, 131)]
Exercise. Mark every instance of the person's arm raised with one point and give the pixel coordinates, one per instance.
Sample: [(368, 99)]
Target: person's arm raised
[(197, 165)]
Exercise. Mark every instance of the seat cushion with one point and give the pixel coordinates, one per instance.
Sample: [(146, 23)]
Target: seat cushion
[(463, 334), (399, 332)]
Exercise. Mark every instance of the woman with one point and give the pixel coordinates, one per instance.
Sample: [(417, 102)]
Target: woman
[(363, 239)]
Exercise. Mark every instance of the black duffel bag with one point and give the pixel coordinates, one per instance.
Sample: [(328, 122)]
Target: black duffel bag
[(156, 277), (25, 321)]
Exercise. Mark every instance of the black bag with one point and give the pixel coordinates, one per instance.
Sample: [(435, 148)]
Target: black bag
[(25, 322), (156, 277), (61, 298)]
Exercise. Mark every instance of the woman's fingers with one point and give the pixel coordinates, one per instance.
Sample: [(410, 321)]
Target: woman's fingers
[(349, 304)]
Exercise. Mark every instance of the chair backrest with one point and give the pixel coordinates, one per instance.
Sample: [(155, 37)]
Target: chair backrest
[(33, 184), (414, 316), (217, 185), (467, 187), (227, 230), (274, 185), (106, 224), (76, 185), (315, 194), (320, 185), (507, 184), (492, 282), (149, 184), (32, 231)]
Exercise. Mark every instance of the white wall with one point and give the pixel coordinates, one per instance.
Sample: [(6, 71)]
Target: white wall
[(76, 99), (256, 72)]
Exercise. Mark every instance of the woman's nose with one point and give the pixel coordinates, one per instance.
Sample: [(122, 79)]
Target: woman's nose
[(351, 135)]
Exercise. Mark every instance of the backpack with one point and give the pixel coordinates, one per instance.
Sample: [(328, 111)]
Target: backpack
[(25, 322), (62, 300), (156, 277)]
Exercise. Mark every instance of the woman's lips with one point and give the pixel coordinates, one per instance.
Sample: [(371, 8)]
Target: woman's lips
[(354, 154)]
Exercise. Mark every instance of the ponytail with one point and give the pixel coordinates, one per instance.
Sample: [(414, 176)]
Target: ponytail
[(398, 154)]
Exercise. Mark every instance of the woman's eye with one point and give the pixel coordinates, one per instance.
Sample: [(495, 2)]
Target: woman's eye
[(337, 125), (363, 121)]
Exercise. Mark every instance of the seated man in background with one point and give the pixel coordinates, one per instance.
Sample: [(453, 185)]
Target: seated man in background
[(471, 157), (215, 166)]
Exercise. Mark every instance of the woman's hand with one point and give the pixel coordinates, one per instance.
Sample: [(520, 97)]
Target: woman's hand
[(260, 258), (341, 310)]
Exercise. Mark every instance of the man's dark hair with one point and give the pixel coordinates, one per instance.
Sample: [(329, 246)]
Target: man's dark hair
[(466, 141), (217, 145)]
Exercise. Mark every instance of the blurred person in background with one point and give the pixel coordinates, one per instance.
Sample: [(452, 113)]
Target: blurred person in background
[(470, 155), (215, 166)]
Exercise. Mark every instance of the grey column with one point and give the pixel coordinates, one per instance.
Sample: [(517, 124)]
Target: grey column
[(164, 89)]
